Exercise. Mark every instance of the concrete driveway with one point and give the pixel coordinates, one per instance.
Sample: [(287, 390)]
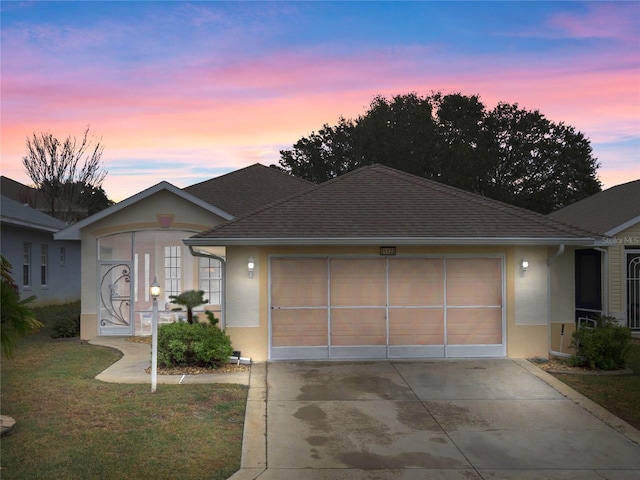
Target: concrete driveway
[(443, 419)]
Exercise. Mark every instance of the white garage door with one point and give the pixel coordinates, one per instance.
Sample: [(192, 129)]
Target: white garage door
[(386, 307)]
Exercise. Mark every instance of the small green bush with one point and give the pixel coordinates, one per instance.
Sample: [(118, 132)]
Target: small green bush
[(63, 321), (605, 347), (192, 344), (65, 326)]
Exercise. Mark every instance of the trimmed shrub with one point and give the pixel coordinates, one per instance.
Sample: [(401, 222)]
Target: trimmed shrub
[(63, 321), (192, 344), (65, 326), (605, 347)]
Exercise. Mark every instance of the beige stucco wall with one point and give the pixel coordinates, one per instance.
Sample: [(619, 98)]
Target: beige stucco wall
[(527, 298), (562, 298), (143, 215), (243, 292), (527, 302), (617, 275), (531, 302)]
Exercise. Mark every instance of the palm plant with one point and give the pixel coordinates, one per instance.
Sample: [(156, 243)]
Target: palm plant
[(189, 299), (16, 317)]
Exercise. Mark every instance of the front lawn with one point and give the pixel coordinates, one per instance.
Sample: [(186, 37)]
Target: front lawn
[(71, 426), (618, 394)]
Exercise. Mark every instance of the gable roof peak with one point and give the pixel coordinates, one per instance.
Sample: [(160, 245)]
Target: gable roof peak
[(73, 232)]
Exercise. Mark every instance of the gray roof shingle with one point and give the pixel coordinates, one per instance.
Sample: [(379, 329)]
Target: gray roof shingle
[(17, 213), (20, 193), (245, 190), (604, 211), (378, 202)]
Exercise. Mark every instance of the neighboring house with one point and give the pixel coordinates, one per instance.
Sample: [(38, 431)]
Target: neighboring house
[(35, 199), (608, 276), (48, 269), (125, 246), (373, 264), (23, 194)]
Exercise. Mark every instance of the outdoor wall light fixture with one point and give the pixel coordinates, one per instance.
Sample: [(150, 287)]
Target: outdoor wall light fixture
[(525, 264), (154, 290), (251, 266)]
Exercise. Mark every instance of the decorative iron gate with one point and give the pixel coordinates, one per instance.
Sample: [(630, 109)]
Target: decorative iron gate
[(115, 299), (633, 290)]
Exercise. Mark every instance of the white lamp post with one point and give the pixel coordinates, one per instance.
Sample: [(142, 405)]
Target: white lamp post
[(155, 292)]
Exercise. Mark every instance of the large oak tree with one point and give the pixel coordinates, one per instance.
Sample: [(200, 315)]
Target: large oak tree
[(507, 153)]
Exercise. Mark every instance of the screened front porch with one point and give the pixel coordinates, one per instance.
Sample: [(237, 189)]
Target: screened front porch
[(128, 263)]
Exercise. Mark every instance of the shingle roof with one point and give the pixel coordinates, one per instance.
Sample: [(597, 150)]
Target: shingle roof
[(17, 213), (606, 211), (376, 203), (248, 189), (21, 193)]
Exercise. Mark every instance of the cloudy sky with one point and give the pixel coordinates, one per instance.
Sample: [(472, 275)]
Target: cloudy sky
[(185, 91)]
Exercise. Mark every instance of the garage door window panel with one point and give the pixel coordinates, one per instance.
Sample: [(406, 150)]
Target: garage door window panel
[(299, 282), (358, 282), (474, 326), (416, 326), (474, 282), (358, 326), (298, 327), (416, 282)]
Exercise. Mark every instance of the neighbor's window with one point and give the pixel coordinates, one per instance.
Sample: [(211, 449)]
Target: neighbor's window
[(44, 262), (172, 270), (26, 264), (210, 279)]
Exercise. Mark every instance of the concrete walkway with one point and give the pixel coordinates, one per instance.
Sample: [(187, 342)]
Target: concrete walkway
[(474, 419)]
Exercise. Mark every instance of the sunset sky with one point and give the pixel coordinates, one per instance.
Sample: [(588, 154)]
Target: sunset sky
[(186, 91)]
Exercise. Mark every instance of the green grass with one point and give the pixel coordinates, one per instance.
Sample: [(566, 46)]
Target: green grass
[(618, 394), (71, 426)]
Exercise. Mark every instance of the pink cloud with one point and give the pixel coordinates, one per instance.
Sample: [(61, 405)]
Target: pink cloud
[(601, 20)]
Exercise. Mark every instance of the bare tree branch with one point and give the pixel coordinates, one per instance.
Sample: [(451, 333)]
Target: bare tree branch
[(64, 171)]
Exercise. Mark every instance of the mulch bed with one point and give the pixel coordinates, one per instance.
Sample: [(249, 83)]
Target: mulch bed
[(228, 368), (562, 366)]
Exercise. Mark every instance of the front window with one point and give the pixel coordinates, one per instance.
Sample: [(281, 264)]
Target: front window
[(210, 279), (26, 264), (44, 262), (172, 270)]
